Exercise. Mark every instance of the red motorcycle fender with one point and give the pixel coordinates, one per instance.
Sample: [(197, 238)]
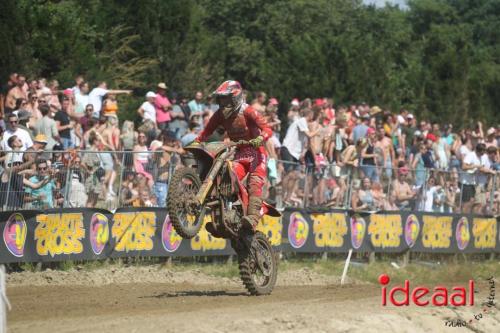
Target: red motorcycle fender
[(267, 209)]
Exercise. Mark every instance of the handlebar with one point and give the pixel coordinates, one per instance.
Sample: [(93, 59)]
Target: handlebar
[(240, 143), (234, 144)]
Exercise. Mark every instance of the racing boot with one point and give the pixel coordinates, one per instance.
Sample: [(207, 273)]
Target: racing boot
[(252, 218), (210, 227)]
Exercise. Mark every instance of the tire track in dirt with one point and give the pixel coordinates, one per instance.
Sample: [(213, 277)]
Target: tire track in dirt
[(192, 302), (69, 308)]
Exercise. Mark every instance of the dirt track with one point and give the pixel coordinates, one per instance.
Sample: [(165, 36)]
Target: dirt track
[(223, 307)]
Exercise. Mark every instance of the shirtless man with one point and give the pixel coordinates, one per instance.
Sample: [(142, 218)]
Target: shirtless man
[(259, 103), (16, 92), (402, 191), (384, 144)]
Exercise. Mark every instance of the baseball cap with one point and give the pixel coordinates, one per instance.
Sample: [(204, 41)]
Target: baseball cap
[(41, 138), (273, 101), (150, 94), (491, 131), (375, 110), (319, 102), (432, 137), (24, 115), (403, 170), (162, 85), (295, 102)]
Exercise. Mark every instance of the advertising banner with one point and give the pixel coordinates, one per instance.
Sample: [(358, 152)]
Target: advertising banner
[(87, 234)]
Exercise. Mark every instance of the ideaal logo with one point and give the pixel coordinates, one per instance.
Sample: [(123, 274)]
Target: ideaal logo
[(358, 231), (460, 296), (14, 234), (462, 234), (169, 238), (298, 230), (99, 232), (412, 229)]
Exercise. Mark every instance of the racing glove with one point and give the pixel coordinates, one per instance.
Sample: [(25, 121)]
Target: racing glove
[(257, 142), (196, 142)]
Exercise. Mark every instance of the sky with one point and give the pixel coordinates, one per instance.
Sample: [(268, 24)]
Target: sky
[(381, 3)]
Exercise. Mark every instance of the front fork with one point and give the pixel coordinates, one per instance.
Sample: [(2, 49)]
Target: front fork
[(209, 180)]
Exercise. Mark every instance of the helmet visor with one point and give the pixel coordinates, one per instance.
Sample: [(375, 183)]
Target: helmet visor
[(225, 101)]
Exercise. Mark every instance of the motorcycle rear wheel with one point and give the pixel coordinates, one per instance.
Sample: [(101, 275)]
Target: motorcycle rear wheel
[(258, 265), (186, 214)]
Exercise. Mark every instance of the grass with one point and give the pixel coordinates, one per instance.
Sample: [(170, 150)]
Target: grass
[(417, 272), (421, 270)]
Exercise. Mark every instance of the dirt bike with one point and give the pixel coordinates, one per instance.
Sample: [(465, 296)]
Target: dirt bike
[(211, 187)]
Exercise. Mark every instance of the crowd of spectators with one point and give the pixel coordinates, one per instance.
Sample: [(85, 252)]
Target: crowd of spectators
[(369, 159), (68, 148)]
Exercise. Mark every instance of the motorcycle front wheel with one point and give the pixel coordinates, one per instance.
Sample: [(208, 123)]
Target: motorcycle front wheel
[(185, 212), (257, 264)]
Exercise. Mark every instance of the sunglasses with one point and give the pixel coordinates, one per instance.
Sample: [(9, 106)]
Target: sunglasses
[(42, 168)]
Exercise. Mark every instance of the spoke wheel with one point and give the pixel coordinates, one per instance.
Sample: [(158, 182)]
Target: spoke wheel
[(258, 265), (185, 212)]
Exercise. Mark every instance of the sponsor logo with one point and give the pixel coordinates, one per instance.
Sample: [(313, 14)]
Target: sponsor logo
[(462, 233), (14, 234), (99, 232), (412, 229), (298, 230), (169, 238), (423, 296), (358, 231)]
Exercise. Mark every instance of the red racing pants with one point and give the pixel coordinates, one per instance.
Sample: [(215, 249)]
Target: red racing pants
[(251, 161)]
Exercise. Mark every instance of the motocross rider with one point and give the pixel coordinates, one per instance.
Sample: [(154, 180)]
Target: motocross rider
[(241, 122)]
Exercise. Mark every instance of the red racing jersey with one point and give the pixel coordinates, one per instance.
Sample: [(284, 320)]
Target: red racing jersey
[(245, 125)]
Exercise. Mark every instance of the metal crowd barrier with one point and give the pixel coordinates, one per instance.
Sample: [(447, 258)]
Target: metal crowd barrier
[(113, 179), (101, 179), (432, 190)]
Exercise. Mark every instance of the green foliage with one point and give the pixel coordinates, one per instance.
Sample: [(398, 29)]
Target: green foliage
[(439, 58)]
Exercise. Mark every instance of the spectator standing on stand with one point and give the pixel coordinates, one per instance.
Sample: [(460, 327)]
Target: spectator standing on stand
[(91, 164), (82, 99), (293, 151), (47, 126), (471, 166), (13, 129), (196, 105), (97, 94), (147, 109), (178, 125), (402, 192), (161, 105), (17, 91), (41, 198), (64, 125)]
